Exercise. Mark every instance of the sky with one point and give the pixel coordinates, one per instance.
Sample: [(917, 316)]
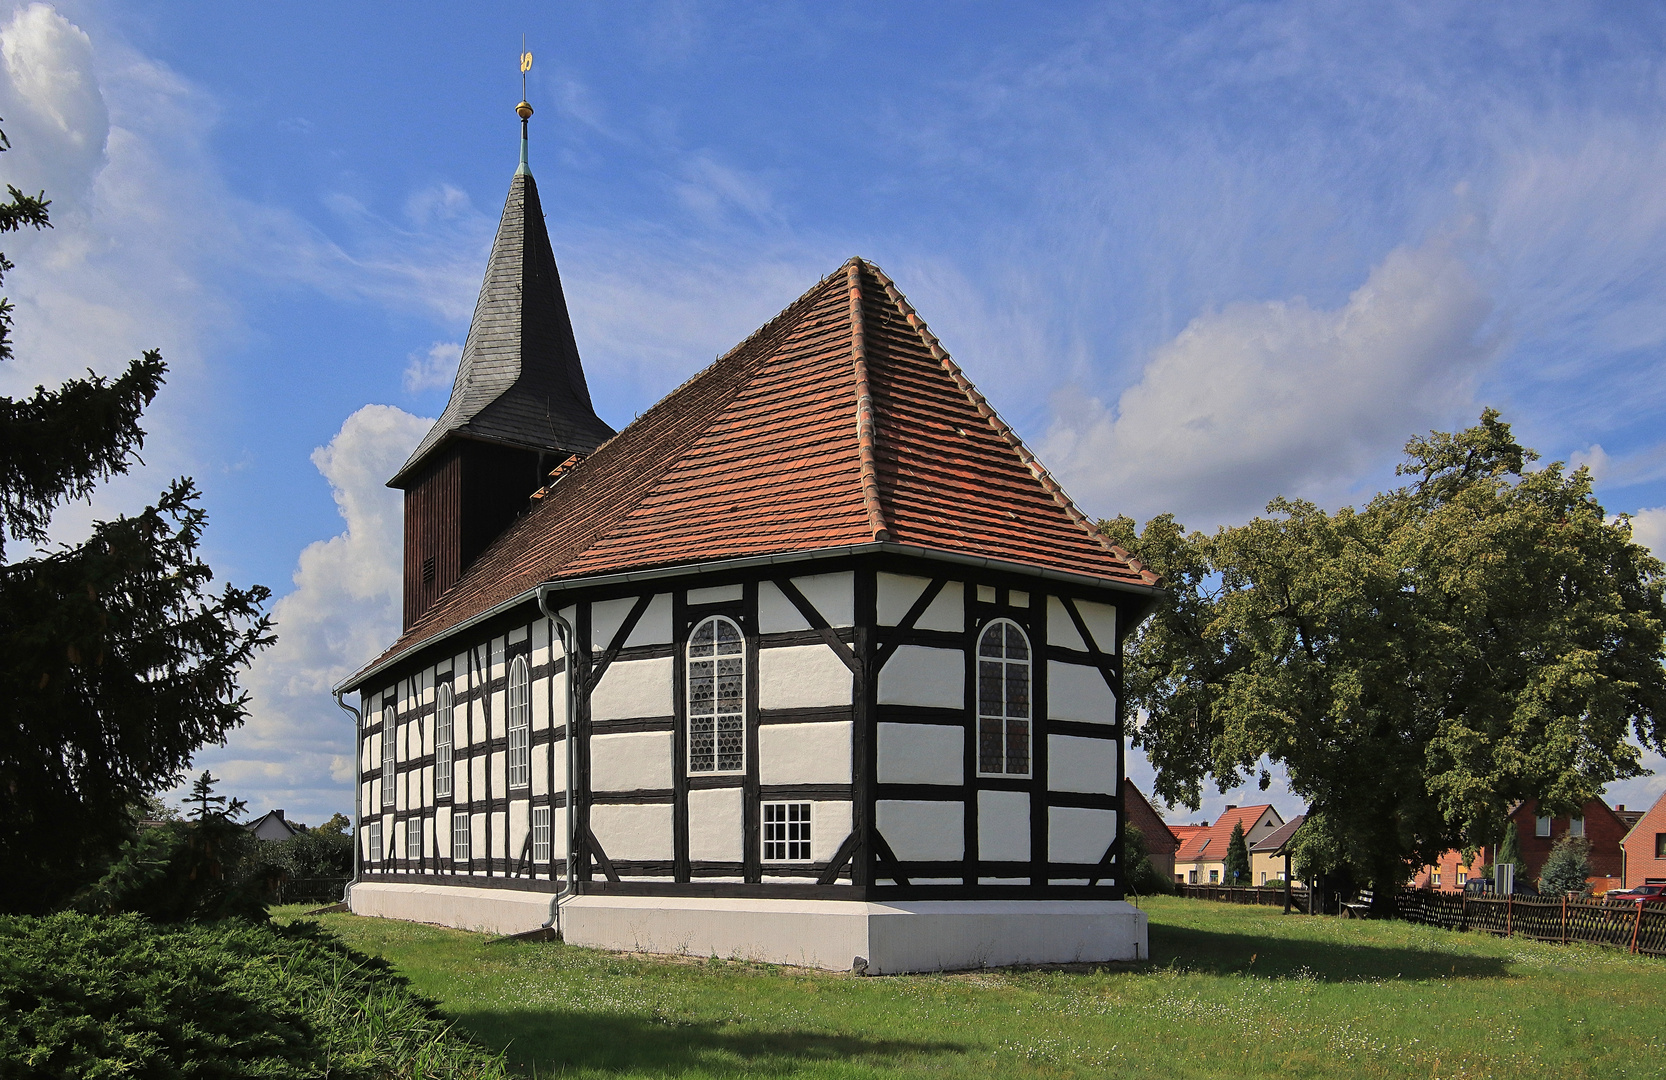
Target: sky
[(1197, 255)]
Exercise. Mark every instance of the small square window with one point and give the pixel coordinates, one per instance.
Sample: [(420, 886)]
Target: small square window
[(1434, 879), (540, 834), (1541, 825), (1463, 878), (786, 832), (1214, 877)]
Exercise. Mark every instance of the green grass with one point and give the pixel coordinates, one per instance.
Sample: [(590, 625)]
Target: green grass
[(1230, 992)]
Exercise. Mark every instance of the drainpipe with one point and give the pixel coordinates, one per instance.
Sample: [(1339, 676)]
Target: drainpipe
[(569, 669), (358, 787)]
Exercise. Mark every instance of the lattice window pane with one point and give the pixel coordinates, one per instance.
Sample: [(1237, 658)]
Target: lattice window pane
[(716, 676), (520, 725), (373, 840), (1003, 700), (390, 727), (540, 835), (413, 838), (460, 837), (786, 832), (991, 755), (443, 716)]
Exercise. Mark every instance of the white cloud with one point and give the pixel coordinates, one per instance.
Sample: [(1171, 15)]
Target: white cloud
[(296, 749), (1280, 398), (1648, 527), (433, 369)]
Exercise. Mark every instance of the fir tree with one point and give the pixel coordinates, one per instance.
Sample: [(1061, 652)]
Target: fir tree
[(116, 661), (1237, 857), (1509, 853), (1568, 868)]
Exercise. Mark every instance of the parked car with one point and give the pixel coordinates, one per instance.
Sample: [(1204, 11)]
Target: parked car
[(1484, 887), (1639, 895)]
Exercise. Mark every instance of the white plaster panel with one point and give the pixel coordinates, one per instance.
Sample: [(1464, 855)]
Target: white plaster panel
[(520, 824), (477, 776), (716, 828), (896, 594), (558, 832), (500, 833), (918, 675), (500, 772), (804, 753), (1061, 630), (1101, 623), (654, 628), (1076, 692), (921, 754), (1004, 826), (802, 677), (922, 831), (633, 832), (947, 610), (1018, 598), (1078, 835), (716, 594), (833, 595), (829, 825), (630, 761), (1078, 764), (606, 616), (633, 688)]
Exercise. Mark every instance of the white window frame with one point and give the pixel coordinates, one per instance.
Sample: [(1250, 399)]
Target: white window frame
[(541, 847), (444, 735), (1576, 825), (413, 831), (520, 725), (390, 759), (788, 835), (1541, 825), (717, 716), (462, 839), (373, 840), (1001, 716)]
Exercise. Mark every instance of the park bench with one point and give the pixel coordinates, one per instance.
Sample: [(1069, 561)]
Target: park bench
[(1359, 907)]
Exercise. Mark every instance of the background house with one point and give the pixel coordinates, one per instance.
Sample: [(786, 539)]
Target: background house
[(1644, 847), (1270, 856), (1201, 859), (1160, 840), (1451, 872), (1598, 823), (271, 826)]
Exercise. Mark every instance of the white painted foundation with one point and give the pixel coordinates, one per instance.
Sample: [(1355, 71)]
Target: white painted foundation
[(916, 935)]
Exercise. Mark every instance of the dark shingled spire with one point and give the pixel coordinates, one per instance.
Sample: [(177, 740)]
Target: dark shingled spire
[(520, 382)]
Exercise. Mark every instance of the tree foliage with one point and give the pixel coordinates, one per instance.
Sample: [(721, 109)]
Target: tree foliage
[(1482, 634), (1237, 857), (1509, 853), (1139, 871), (117, 662)]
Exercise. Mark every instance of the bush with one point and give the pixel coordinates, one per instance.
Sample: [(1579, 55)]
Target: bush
[(1567, 868), (121, 996), (186, 871), (1140, 874)]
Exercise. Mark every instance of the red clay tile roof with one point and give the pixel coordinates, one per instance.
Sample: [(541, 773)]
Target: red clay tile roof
[(842, 421), (1210, 843)]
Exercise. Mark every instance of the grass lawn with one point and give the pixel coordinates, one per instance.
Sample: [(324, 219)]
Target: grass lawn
[(1230, 992)]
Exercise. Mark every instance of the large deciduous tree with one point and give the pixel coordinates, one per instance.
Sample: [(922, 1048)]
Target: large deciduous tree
[(116, 660), (1483, 634)]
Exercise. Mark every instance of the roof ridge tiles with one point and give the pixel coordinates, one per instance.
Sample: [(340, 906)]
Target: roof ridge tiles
[(1005, 430), (865, 435)]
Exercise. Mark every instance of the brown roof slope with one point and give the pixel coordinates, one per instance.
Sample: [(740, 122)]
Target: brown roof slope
[(841, 421)]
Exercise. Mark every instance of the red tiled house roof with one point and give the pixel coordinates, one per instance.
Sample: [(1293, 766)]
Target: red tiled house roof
[(841, 422), (1210, 844)]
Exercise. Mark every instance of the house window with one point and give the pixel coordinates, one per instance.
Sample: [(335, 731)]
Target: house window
[(1191, 877), (1463, 878), (786, 832), (1263, 877), (1541, 825), (1214, 877), (520, 726), (1003, 700), (413, 839), (1576, 826), (1434, 879), (716, 697), (373, 840), (442, 740), (540, 835), (1660, 845), (460, 837), (389, 727)]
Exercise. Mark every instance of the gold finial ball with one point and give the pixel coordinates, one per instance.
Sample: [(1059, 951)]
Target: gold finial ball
[(524, 111)]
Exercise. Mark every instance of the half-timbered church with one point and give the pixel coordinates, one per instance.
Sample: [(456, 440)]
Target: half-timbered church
[(811, 663)]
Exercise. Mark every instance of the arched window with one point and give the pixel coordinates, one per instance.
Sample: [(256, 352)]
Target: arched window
[(716, 697), (389, 728), (520, 725), (442, 740), (1003, 700)]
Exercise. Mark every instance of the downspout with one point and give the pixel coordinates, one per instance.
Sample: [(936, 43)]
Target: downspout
[(568, 669), (358, 787)]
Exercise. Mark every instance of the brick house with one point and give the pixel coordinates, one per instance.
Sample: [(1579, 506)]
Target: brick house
[(1160, 841), (1201, 859), (1599, 824), (1644, 847), (1451, 873)]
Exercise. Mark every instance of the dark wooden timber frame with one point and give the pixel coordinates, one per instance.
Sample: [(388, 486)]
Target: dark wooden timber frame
[(863, 866)]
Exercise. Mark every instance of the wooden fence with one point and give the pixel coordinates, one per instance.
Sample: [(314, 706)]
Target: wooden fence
[(1637, 929), (324, 890)]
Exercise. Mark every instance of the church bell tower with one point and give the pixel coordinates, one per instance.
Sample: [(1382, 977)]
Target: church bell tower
[(519, 407)]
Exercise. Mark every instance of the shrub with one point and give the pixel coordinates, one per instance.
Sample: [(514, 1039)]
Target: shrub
[(181, 871), (1567, 868), (1140, 874), (121, 996)]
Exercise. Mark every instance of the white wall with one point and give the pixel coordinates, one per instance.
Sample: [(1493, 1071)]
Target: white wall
[(897, 593), (633, 688), (631, 761), (1061, 629), (921, 754), (805, 753), (716, 831), (1004, 826), (917, 675), (1075, 692), (633, 832), (1078, 764), (802, 677), (921, 831), (1078, 835), (833, 595)]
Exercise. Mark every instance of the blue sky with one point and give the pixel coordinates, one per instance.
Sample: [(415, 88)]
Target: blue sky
[(1198, 255)]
